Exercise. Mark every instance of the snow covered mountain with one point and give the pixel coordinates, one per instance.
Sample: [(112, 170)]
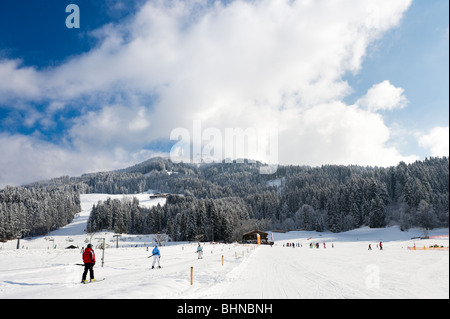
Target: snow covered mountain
[(221, 200)]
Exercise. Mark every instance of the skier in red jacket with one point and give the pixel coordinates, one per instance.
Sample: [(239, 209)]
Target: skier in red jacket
[(89, 262)]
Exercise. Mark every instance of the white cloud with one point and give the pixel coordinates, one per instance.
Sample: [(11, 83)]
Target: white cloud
[(339, 134), (257, 50), (27, 159), (383, 96), (111, 127), (17, 81), (246, 64), (436, 141)]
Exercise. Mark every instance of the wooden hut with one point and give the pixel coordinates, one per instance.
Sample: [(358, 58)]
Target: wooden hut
[(251, 237)]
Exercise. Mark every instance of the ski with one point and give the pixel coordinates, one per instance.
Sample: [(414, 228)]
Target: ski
[(91, 282)]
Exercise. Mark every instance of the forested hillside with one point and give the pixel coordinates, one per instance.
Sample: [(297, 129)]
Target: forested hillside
[(37, 210), (220, 201)]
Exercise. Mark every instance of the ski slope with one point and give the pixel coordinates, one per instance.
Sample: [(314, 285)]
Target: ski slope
[(43, 268)]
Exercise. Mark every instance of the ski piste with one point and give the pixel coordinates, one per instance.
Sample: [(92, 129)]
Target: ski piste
[(353, 270)]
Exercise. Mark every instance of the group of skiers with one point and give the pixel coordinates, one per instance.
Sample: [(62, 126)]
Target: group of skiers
[(379, 246), (88, 256), (311, 245), (292, 245), (317, 245)]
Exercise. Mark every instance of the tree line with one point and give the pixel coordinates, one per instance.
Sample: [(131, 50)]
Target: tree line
[(221, 201), (37, 210), (182, 218)]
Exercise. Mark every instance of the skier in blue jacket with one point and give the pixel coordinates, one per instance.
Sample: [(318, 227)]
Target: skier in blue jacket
[(200, 251), (156, 256)]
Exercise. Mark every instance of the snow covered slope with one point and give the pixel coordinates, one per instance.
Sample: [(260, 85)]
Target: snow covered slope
[(349, 270)]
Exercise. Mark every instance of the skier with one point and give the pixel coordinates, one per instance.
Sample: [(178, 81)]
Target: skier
[(370, 247), (200, 251), (89, 262), (381, 245), (156, 257)]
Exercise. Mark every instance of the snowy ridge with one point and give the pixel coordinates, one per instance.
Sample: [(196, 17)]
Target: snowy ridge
[(349, 270)]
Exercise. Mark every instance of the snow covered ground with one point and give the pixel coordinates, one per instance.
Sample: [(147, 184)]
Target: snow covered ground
[(43, 268)]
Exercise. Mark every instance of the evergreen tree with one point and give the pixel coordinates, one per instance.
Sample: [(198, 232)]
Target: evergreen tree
[(377, 215)]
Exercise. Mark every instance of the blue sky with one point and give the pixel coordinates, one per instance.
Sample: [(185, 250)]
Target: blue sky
[(344, 82), (414, 56), (35, 31)]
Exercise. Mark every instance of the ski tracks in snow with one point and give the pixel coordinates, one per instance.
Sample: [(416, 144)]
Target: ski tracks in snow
[(285, 273)]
